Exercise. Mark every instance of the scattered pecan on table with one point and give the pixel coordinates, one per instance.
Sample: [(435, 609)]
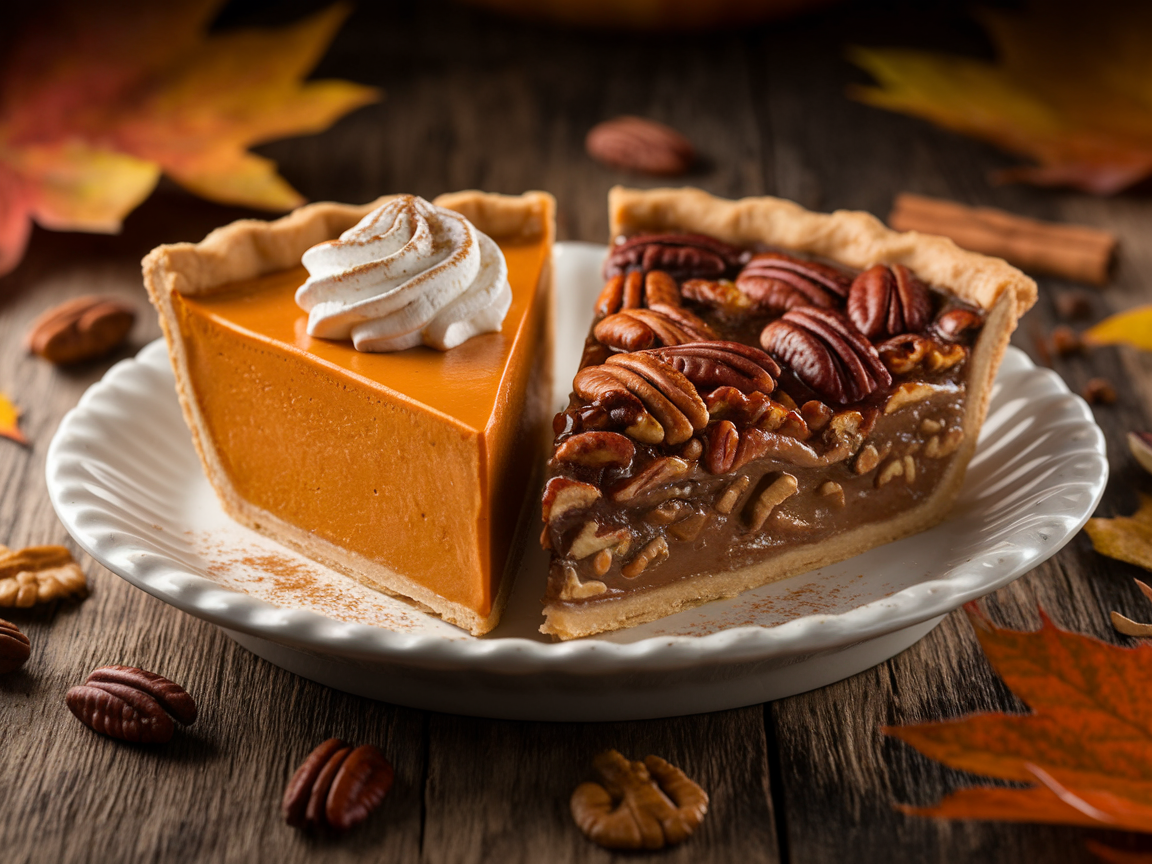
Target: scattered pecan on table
[(639, 144), (131, 704), (638, 805), (337, 786), (82, 329), (39, 574), (15, 648)]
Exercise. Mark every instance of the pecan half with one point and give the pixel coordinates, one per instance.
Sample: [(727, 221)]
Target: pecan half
[(562, 494), (130, 704), (666, 393), (637, 329), (639, 144), (682, 256), (777, 283), (828, 353), (597, 450), (887, 301), (14, 647), (957, 324), (723, 440), (636, 290), (709, 365), (81, 329), (638, 805), (337, 786), (720, 294), (39, 574), (903, 354)]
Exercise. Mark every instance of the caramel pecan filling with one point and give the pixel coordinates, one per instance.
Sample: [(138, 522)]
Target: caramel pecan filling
[(732, 400)]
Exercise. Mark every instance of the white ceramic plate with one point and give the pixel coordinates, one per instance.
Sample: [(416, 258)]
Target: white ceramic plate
[(127, 484)]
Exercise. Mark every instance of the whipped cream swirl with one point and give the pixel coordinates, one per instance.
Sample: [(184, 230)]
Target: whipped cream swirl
[(409, 273)]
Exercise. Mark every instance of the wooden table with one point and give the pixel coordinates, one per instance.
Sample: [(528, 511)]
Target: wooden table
[(475, 101)]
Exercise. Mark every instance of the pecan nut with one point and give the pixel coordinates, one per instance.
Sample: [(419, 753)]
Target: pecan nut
[(39, 574), (337, 786), (887, 301), (637, 329), (636, 290), (82, 329), (956, 324), (723, 441), (14, 647), (669, 398), (827, 353), (903, 354), (682, 256), (777, 283), (709, 365), (130, 704), (639, 144), (721, 294), (563, 495), (638, 805), (597, 450)]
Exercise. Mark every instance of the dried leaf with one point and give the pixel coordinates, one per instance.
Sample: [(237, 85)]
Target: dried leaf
[(10, 421), (1129, 627), (1088, 124), (1086, 748), (100, 99), (1125, 538), (1133, 327)]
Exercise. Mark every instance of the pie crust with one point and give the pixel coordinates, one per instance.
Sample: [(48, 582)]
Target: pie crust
[(857, 240)]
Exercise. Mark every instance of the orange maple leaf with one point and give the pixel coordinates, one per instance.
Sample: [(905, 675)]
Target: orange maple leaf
[(10, 421), (97, 100), (1087, 122), (1086, 748)]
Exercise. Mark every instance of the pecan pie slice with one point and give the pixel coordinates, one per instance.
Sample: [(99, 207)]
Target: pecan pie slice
[(764, 391)]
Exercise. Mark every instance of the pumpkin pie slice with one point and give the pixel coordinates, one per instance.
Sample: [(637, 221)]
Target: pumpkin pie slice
[(764, 391), (403, 466)]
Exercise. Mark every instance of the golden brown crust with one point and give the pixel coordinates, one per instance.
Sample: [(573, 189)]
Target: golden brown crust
[(858, 240), (251, 248)]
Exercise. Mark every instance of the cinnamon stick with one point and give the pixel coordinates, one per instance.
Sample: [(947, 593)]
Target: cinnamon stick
[(1074, 252)]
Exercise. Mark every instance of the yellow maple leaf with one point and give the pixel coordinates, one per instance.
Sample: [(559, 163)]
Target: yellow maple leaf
[(10, 421), (1126, 538), (105, 97), (1133, 327), (1087, 123)]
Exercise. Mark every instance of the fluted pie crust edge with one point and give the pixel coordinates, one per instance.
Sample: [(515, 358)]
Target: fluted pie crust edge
[(857, 240), (251, 248)]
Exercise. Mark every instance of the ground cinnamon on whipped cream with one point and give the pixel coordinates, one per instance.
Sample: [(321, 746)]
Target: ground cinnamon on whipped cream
[(409, 273)]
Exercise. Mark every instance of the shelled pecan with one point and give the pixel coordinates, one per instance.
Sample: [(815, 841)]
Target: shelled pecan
[(720, 294), (636, 290), (682, 256), (337, 786), (39, 574), (777, 283), (640, 144), (15, 648), (956, 324), (82, 329), (597, 450), (131, 704), (911, 351), (637, 329), (887, 301), (709, 365), (827, 352), (638, 805)]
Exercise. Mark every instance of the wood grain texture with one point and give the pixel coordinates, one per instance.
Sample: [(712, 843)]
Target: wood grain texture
[(477, 101)]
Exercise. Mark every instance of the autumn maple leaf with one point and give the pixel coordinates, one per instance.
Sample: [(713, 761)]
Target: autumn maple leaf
[(1086, 750), (1072, 91), (97, 100)]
